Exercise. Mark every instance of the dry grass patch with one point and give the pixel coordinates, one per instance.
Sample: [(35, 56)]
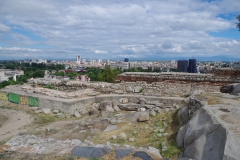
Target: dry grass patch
[(146, 134)]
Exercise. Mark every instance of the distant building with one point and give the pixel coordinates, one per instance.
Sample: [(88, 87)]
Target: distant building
[(126, 60), (192, 66), (182, 66), (122, 65), (83, 78)]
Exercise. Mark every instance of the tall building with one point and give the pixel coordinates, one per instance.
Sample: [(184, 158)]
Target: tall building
[(182, 65), (192, 66), (78, 58), (126, 60)]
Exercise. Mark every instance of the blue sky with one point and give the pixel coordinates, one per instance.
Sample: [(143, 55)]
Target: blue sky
[(137, 29)]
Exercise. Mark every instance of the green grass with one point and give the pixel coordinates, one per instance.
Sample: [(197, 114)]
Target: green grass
[(49, 87), (42, 119)]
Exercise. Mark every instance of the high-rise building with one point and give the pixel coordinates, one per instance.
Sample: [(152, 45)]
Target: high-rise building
[(126, 60), (78, 58), (182, 65), (192, 66)]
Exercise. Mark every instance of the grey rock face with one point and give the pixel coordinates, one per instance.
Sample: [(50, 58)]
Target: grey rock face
[(120, 153), (129, 89), (137, 89), (129, 107), (204, 138), (183, 115), (227, 88), (110, 128), (106, 106), (142, 155), (89, 152)]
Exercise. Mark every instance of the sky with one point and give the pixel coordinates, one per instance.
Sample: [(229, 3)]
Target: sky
[(117, 29)]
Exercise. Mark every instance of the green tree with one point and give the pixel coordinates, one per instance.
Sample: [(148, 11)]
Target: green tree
[(238, 23)]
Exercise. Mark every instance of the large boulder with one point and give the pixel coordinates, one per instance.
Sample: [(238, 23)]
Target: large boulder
[(106, 106), (232, 89), (129, 107), (183, 115), (205, 138), (143, 116)]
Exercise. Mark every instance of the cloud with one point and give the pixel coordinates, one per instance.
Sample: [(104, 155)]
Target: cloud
[(125, 28), (19, 49), (100, 52)]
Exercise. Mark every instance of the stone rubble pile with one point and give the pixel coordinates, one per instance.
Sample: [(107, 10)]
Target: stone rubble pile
[(34, 144), (138, 88), (60, 94)]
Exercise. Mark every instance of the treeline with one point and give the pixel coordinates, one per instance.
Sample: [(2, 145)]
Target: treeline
[(32, 66), (33, 70)]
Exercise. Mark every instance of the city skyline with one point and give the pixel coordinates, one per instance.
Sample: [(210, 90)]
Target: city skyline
[(151, 30)]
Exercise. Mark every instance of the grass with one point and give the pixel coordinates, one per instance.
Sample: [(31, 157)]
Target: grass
[(49, 87), (145, 135)]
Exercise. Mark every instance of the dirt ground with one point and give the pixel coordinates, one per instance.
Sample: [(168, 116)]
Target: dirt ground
[(13, 122)]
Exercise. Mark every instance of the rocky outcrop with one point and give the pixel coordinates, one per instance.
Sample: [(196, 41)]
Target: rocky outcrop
[(203, 136), (233, 89)]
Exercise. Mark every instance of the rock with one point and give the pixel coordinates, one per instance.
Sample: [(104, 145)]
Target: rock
[(46, 110), (55, 111), (128, 89), (228, 88), (122, 136), (114, 87), (142, 155), (110, 128), (113, 121), (104, 113), (121, 153), (142, 109), (129, 107), (93, 111), (89, 152), (183, 115), (165, 134), (131, 139), (161, 130), (115, 107), (118, 91), (180, 136), (123, 100), (204, 137), (154, 151), (93, 93), (138, 89), (114, 137), (76, 142), (158, 110), (152, 113), (158, 105), (106, 106), (143, 116), (142, 101), (77, 114)]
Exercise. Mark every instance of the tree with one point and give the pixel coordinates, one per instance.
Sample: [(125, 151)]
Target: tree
[(238, 24)]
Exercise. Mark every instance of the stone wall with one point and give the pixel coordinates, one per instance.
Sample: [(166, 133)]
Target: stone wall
[(176, 77), (84, 105), (225, 72), (164, 88)]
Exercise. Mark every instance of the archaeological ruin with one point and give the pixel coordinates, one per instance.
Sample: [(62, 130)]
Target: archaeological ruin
[(154, 115)]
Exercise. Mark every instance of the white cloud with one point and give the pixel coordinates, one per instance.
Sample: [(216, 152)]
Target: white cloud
[(19, 49), (134, 28), (100, 52)]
